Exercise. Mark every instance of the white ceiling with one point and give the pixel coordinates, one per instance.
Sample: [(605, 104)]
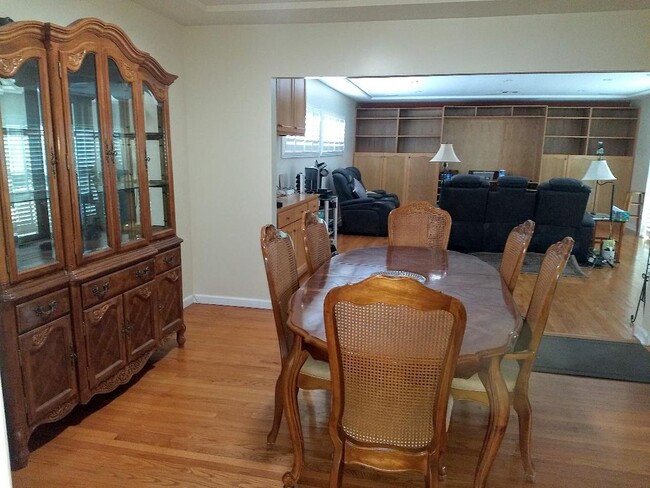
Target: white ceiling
[(529, 87), (515, 87), (213, 12)]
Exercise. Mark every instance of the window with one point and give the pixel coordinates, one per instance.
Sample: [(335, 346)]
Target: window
[(324, 135)]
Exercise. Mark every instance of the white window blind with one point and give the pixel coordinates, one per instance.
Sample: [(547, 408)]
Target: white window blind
[(324, 135)]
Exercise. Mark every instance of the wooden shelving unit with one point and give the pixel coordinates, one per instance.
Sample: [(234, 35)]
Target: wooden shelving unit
[(577, 130)]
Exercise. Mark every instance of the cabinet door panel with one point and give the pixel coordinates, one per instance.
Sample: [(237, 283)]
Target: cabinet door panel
[(105, 348), (48, 368), (139, 320), (372, 169), (170, 303), (89, 155), (124, 149), (28, 168)]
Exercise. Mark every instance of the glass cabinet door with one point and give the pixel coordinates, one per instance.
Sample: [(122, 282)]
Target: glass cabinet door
[(86, 141), (125, 155), (157, 161), (27, 171)]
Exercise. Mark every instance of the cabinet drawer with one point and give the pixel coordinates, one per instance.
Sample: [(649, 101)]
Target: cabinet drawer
[(290, 215), (313, 205), (168, 260), (113, 284), (42, 310)]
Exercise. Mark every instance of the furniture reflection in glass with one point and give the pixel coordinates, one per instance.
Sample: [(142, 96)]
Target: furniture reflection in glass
[(26, 167), (157, 160)]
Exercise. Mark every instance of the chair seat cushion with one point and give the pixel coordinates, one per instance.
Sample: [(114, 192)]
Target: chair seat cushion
[(509, 369), (316, 369)]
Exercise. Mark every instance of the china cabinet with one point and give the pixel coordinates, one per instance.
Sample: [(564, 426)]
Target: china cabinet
[(90, 283)]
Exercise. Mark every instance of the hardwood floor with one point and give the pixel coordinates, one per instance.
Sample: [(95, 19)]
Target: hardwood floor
[(200, 415)]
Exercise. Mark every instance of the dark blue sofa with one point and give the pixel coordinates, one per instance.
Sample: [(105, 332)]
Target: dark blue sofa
[(483, 218)]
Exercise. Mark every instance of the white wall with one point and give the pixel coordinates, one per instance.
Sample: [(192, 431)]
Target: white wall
[(230, 128), (322, 97)]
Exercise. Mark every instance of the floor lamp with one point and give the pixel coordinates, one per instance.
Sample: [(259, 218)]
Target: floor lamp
[(599, 172), (445, 155)]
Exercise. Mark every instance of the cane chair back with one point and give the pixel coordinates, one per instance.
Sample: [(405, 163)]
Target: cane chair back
[(316, 239), (517, 366), (514, 253), (419, 224), (282, 277), (393, 344)]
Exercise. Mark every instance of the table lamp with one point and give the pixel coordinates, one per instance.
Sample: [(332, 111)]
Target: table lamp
[(598, 171), (445, 155)]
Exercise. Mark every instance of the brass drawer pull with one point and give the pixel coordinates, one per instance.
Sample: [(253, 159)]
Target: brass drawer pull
[(46, 312), (100, 292), (168, 260), (142, 273)]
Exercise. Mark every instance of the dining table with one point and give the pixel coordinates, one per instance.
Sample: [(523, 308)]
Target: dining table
[(493, 325)]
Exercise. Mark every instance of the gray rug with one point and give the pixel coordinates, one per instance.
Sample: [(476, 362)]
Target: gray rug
[(627, 361), (532, 262)]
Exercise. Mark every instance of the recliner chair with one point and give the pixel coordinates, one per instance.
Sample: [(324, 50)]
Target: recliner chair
[(376, 194), (360, 216)]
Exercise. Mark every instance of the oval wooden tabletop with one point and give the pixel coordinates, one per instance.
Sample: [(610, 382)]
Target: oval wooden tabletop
[(493, 319)]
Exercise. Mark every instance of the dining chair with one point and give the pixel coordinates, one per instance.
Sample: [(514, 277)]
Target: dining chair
[(514, 253), (419, 224), (516, 366), (393, 344), (316, 239), (282, 276)]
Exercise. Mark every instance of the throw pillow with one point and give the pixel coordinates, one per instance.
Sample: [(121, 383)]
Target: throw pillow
[(359, 191)]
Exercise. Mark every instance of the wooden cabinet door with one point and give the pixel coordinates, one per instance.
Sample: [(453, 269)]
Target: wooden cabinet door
[(371, 166), (421, 179), (299, 101), (552, 166), (284, 105), (104, 334), (139, 320), (48, 365), (169, 301)]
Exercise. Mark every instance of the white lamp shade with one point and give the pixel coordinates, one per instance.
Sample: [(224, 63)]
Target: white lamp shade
[(445, 154), (599, 171)]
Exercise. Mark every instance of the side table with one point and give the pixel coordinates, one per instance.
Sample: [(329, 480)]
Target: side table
[(602, 233)]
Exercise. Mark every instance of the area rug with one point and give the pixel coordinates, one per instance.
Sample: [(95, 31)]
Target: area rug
[(627, 361), (532, 262)]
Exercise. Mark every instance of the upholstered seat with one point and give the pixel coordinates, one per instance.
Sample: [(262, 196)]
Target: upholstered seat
[(561, 211), (362, 216), (465, 198), (510, 205), (376, 194)]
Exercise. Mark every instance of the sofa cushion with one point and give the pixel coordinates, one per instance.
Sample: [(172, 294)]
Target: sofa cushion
[(565, 184), (359, 191), (466, 181), (512, 182)]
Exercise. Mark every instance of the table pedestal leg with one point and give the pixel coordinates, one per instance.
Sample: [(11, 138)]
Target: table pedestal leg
[(497, 391), (295, 360)]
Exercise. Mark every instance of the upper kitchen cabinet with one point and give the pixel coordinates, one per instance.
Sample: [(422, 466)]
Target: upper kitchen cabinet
[(99, 79), (31, 241), (291, 108)]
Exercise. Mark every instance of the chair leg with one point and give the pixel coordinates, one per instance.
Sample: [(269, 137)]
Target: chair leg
[(442, 469), (525, 416), (336, 473), (277, 414), (431, 477)]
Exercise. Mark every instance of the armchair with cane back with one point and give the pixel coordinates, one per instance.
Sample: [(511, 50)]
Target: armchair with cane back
[(316, 239), (514, 253), (419, 224)]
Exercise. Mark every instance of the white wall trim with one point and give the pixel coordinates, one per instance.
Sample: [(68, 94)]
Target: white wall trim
[(187, 301), (232, 301)]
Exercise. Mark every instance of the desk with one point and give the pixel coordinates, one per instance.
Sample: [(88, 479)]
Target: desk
[(493, 322), (602, 233)]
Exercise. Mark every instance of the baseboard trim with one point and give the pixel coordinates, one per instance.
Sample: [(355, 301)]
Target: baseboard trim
[(232, 301), (187, 301), (642, 334)]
